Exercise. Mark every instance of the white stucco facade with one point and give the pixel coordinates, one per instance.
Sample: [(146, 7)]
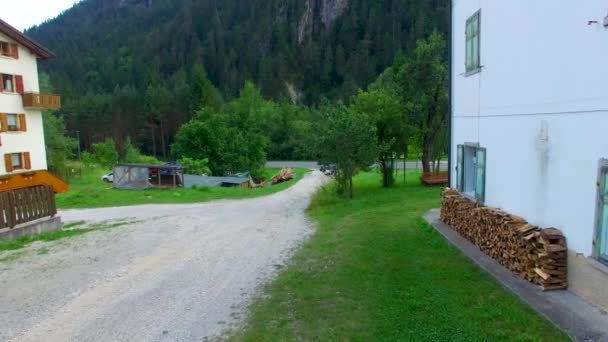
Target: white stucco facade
[(32, 140), (538, 108), (544, 63)]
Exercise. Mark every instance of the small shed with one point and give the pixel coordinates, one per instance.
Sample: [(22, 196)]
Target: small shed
[(145, 176)]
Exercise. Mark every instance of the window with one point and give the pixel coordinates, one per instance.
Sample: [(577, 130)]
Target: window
[(601, 238), (12, 83), (9, 50), (17, 161), (471, 171), (8, 84), (473, 34), (12, 122), (5, 49)]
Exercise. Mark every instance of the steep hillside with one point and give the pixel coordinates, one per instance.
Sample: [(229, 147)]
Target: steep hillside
[(125, 67), (320, 46)]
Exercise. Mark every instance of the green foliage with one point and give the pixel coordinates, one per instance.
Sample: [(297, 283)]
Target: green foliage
[(424, 85), (385, 110), (204, 93), (195, 166), (141, 69), (59, 147), (104, 154), (133, 155), (347, 139), (230, 138)]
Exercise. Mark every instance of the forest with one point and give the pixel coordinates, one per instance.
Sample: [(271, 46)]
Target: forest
[(153, 75)]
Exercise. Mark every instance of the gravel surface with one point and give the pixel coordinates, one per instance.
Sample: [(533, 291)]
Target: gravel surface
[(173, 273)]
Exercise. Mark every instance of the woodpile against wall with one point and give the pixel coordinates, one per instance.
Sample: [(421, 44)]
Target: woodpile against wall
[(538, 255)]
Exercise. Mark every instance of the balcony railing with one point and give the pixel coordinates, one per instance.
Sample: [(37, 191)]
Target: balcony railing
[(41, 101)]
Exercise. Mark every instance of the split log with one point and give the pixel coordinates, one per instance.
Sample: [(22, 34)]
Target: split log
[(537, 255), (284, 175)]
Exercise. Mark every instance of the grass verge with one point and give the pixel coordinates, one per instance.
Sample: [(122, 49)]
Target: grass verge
[(375, 271), (90, 192), (68, 230)]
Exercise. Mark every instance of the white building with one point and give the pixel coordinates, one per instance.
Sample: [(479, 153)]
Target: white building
[(529, 128), (22, 149)]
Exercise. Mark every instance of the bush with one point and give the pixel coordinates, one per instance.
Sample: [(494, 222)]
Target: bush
[(195, 166), (104, 154), (133, 155)]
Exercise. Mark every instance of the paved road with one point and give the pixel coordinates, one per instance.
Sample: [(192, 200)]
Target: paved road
[(314, 165), (175, 273)]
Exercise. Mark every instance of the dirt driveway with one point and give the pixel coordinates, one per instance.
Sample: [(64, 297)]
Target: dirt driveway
[(175, 273)]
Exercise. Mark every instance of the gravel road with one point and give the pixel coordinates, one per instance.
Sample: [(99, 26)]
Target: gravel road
[(173, 273)]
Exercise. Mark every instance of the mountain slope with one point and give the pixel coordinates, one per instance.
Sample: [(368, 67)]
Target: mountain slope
[(320, 46), (128, 68)]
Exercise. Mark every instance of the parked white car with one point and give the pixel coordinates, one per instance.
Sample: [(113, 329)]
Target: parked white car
[(108, 178)]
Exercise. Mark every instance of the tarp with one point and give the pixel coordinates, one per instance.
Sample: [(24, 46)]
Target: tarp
[(131, 178), (191, 180)]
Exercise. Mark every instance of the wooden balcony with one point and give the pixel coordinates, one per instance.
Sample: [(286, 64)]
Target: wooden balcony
[(41, 101)]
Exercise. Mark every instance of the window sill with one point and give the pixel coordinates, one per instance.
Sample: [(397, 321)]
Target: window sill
[(4, 92), (597, 265), (8, 57), (471, 196), (472, 72)]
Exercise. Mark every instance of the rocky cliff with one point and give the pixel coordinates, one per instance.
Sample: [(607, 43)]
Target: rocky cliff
[(326, 10)]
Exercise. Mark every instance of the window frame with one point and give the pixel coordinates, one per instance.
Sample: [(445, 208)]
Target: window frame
[(598, 229), (473, 66), (21, 165), (17, 127), (7, 52), (13, 84), (479, 196)]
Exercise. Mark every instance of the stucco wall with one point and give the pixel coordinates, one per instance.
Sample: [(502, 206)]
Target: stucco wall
[(543, 64), (33, 140)]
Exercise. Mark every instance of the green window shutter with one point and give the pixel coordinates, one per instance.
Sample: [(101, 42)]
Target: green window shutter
[(602, 224), (472, 48), (480, 174), (460, 168)]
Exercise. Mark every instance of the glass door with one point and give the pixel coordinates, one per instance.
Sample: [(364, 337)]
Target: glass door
[(480, 174), (602, 224)]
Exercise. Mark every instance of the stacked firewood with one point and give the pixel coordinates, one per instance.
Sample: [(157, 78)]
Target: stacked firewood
[(538, 255), (284, 175)]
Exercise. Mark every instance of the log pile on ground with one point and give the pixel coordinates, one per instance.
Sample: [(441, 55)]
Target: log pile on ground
[(538, 255), (283, 176)]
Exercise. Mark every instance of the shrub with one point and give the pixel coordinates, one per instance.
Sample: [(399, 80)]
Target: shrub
[(195, 166)]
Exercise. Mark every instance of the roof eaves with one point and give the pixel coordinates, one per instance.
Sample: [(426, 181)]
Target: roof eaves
[(26, 41)]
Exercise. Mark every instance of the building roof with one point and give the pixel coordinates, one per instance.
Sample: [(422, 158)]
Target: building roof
[(24, 40), (151, 166)]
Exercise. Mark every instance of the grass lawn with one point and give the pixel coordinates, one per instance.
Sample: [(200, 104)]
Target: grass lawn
[(90, 192), (375, 271)]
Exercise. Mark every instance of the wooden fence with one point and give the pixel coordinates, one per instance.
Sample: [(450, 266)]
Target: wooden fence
[(25, 205)]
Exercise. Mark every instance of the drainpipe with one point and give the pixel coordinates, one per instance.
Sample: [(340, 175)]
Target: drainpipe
[(450, 101)]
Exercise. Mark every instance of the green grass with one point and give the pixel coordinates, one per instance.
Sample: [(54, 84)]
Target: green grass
[(375, 271), (68, 230), (90, 192)]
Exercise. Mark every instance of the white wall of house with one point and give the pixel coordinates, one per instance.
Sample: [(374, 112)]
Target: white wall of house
[(543, 64), (33, 139)]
